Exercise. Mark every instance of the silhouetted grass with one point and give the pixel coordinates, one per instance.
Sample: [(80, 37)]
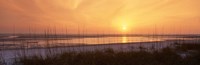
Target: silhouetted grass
[(2, 60), (166, 56)]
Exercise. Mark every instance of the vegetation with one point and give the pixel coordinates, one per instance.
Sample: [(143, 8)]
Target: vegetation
[(166, 56), (2, 61)]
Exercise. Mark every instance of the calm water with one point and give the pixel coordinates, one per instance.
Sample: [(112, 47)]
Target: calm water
[(31, 43), (38, 41)]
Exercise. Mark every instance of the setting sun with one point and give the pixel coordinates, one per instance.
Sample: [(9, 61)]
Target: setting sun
[(124, 28)]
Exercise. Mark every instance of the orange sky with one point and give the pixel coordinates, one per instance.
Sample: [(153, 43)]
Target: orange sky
[(101, 16)]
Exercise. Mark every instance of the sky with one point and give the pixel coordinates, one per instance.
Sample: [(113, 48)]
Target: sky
[(101, 16)]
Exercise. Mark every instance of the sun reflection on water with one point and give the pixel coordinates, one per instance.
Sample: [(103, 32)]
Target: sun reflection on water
[(124, 39)]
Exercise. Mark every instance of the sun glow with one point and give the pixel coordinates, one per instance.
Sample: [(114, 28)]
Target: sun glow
[(124, 28)]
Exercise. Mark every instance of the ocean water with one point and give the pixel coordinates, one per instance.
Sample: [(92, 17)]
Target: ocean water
[(41, 41)]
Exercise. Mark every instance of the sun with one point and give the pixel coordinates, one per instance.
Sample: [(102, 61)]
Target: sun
[(123, 25), (124, 28)]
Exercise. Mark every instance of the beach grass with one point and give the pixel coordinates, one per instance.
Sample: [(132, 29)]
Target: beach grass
[(165, 56)]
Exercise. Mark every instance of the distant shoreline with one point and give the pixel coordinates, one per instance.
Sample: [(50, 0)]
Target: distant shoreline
[(20, 37)]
